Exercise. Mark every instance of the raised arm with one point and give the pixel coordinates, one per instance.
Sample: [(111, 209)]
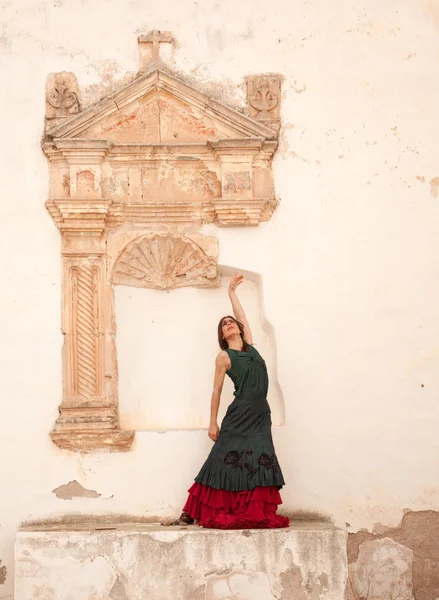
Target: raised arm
[(238, 311), (222, 363)]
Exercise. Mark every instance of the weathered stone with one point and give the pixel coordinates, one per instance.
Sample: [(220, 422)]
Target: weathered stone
[(151, 47), (383, 570), (306, 561), (419, 534), (157, 153), (164, 261), (62, 96), (248, 585), (263, 99), (118, 591)]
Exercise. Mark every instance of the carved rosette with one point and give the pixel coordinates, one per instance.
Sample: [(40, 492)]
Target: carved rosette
[(163, 262)]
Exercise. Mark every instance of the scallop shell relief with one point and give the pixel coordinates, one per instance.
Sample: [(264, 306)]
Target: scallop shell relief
[(164, 262)]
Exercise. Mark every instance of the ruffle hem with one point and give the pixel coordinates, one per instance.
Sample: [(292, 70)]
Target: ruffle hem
[(224, 509)]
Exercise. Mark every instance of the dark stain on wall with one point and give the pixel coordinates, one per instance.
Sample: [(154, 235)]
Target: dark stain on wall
[(3, 573)]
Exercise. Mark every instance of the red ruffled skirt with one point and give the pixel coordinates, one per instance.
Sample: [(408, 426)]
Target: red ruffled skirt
[(223, 509)]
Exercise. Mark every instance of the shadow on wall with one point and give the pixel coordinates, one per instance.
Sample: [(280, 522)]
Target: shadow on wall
[(167, 344), (266, 344)]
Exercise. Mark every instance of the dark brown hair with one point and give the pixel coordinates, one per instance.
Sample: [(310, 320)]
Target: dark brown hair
[(222, 342)]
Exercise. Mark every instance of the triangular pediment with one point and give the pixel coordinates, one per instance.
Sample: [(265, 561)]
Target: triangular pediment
[(159, 108)]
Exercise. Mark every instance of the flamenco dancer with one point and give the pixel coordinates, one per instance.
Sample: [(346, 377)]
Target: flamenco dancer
[(238, 485)]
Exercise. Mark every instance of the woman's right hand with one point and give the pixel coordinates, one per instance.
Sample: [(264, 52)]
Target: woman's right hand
[(235, 281), (213, 432)]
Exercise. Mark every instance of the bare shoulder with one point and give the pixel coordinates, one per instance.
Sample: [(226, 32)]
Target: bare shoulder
[(222, 360)]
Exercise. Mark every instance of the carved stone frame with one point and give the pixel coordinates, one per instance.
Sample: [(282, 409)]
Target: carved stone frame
[(87, 214)]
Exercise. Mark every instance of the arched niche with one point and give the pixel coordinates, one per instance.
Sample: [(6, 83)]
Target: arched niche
[(167, 344)]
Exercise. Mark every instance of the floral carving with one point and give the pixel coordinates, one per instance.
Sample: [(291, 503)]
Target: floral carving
[(62, 96), (263, 97)]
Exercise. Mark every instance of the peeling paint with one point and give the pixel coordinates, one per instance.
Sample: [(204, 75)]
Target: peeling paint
[(380, 528), (291, 580), (298, 89), (118, 591), (200, 593), (418, 535), (434, 185), (73, 489), (383, 570), (294, 585), (3, 573)]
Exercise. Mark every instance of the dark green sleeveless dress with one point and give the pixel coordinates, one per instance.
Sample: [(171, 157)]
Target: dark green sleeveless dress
[(243, 457)]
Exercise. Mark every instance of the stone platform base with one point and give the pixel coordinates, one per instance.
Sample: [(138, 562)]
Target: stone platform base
[(150, 562)]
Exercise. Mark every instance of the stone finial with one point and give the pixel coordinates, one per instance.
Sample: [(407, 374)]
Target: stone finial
[(155, 46), (62, 95), (263, 99)]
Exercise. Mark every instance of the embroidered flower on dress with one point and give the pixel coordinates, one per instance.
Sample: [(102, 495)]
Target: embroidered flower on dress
[(250, 470), (233, 458), (267, 461)]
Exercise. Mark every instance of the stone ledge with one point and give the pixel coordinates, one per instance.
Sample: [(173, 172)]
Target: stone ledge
[(134, 561), (104, 440)]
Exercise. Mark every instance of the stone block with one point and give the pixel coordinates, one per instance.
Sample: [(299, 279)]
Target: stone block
[(147, 561)]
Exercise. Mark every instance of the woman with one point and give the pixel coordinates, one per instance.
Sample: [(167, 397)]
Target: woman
[(238, 485)]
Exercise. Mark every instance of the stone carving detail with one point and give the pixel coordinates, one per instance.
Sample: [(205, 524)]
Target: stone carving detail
[(164, 262), (234, 183), (263, 97), (147, 167), (62, 96), (150, 46), (85, 331), (85, 182)]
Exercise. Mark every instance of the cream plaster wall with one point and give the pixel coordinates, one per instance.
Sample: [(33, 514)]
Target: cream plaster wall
[(349, 262), (167, 344)]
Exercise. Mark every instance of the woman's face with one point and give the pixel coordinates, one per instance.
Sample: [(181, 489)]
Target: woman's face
[(229, 328)]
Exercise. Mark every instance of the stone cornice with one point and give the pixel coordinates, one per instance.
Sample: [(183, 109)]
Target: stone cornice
[(158, 79), (94, 151)]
